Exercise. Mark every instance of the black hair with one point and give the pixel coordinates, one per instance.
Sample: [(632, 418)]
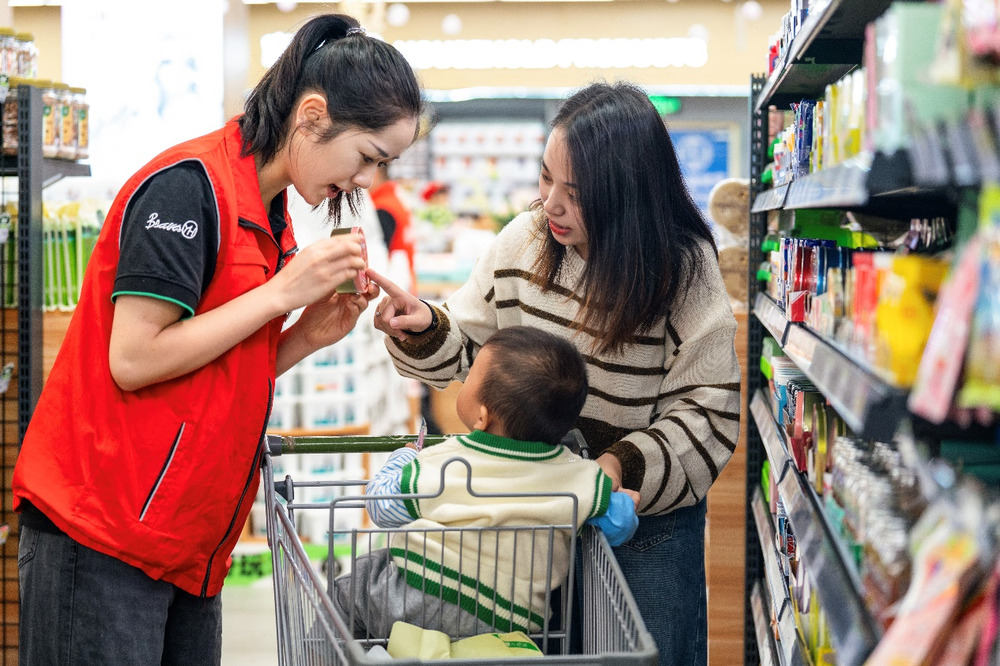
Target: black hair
[(368, 85), (537, 385), (643, 229)]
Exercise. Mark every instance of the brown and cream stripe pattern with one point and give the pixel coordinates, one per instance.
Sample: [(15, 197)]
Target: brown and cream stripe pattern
[(667, 405)]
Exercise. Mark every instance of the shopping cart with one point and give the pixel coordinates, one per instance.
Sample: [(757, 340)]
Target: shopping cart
[(310, 630)]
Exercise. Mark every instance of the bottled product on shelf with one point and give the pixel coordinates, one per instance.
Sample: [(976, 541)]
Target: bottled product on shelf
[(51, 106), (27, 55), (65, 128), (18, 53), (487, 164), (10, 122), (872, 443), (81, 117)]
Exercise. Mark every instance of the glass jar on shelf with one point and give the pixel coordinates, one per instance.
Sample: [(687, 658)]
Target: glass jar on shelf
[(66, 123), (27, 55), (8, 51), (81, 115), (9, 125), (50, 118)]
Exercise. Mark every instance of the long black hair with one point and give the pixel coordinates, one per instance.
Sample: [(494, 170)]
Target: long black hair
[(368, 85), (644, 231)]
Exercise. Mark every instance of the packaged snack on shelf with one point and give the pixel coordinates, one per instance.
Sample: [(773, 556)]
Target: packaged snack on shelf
[(51, 105), (66, 122), (946, 554), (941, 364), (982, 365), (904, 314), (909, 101), (81, 114), (10, 94), (803, 137)]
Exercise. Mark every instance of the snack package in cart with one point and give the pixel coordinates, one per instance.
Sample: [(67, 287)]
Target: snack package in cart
[(359, 284)]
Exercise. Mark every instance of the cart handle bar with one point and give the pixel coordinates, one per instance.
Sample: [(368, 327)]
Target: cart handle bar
[(281, 444)]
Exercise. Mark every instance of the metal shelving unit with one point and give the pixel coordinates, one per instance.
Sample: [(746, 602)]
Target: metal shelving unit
[(875, 182), (22, 333), (771, 199), (789, 648), (855, 390), (854, 631), (753, 560), (827, 46), (762, 626)]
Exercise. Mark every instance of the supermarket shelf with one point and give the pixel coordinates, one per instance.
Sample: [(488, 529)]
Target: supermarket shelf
[(766, 310), (52, 170), (797, 81), (774, 442), (870, 406), (853, 630), (772, 199), (762, 626), (789, 648), (876, 182), (843, 185), (827, 46)]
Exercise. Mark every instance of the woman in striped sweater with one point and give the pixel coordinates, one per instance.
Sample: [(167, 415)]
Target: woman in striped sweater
[(615, 257)]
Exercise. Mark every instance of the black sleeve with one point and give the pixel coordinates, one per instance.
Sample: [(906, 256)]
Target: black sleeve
[(388, 223), (169, 240)]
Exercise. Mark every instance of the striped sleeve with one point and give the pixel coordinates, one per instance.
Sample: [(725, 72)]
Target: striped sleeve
[(388, 481), (674, 461), (602, 495), (467, 319)]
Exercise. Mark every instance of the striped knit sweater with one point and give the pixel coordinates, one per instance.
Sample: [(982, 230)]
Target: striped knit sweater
[(503, 576), (667, 406)]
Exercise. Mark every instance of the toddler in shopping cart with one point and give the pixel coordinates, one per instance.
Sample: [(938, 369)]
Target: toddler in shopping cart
[(523, 393)]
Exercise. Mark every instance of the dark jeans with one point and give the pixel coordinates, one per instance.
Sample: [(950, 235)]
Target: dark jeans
[(82, 607), (664, 564)]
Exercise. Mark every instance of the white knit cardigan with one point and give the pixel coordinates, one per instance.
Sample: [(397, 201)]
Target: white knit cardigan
[(667, 406)]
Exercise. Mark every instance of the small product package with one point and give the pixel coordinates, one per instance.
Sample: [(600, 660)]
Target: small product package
[(359, 284)]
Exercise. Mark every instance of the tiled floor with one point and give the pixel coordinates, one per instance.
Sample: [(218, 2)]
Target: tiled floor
[(248, 631)]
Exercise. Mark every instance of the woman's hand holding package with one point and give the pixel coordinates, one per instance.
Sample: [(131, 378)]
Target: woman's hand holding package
[(399, 314), (314, 273), (326, 322), (328, 316)]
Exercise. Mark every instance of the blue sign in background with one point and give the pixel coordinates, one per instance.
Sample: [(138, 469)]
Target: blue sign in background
[(704, 158)]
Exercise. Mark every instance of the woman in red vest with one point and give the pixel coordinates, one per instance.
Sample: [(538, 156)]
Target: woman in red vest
[(396, 220), (141, 460)]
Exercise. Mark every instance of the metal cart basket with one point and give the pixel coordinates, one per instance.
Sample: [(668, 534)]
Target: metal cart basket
[(311, 630)]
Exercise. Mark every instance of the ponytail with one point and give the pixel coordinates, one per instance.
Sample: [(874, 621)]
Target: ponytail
[(367, 83)]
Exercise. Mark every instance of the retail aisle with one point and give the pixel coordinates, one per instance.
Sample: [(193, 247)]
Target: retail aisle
[(248, 633)]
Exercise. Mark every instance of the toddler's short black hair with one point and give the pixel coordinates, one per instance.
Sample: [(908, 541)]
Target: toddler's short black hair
[(537, 385)]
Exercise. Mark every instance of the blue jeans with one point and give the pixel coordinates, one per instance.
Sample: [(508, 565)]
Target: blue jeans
[(79, 606), (664, 564)]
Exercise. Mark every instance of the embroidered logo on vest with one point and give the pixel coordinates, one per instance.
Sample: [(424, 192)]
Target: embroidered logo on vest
[(188, 229)]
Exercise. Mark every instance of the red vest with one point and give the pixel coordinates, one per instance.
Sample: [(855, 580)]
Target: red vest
[(162, 478), (386, 197)]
